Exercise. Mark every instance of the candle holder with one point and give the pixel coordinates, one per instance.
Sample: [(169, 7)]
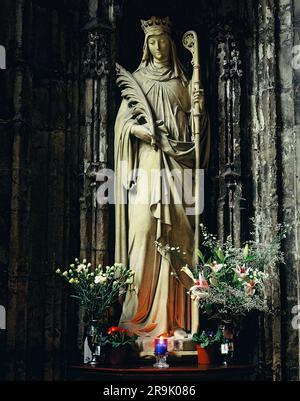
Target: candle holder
[(161, 347), (161, 361)]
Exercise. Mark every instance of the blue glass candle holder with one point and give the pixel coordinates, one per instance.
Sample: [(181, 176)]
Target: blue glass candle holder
[(161, 352)]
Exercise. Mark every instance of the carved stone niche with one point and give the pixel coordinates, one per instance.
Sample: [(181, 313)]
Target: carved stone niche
[(230, 201), (95, 62)]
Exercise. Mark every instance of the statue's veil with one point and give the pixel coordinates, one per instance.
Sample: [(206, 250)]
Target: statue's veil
[(177, 67)]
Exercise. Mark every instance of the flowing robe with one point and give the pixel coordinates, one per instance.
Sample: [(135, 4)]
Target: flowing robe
[(160, 303)]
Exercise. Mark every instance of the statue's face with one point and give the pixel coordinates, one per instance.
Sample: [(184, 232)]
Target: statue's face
[(159, 46)]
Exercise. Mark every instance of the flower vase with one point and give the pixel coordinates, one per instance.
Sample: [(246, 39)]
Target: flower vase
[(93, 336), (227, 347), (95, 332)]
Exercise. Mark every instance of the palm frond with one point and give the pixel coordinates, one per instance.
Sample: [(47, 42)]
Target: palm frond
[(132, 92)]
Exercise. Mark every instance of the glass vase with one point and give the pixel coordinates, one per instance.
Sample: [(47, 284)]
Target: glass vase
[(227, 346), (94, 336)]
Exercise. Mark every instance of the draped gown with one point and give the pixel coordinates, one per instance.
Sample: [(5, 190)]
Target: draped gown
[(160, 303)]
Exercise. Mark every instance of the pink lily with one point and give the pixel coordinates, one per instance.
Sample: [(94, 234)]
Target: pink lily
[(250, 287), (241, 271), (201, 282)]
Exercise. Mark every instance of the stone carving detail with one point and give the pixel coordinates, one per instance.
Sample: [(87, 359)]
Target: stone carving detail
[(230, 202), (231, 62), (95, 63)]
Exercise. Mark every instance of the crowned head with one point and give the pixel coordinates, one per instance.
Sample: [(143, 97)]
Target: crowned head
[(156, 26), (159, 45)]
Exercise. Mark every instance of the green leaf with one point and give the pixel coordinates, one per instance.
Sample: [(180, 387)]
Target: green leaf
[(208, 308), (204, 343), (200, 255), (213, 281), (218, 336), (221, 255)]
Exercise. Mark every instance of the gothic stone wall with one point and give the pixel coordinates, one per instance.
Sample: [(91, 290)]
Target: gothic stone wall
[(39, 182)]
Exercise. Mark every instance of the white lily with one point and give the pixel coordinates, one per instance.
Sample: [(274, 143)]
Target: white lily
[(188, 272), (215, 267)]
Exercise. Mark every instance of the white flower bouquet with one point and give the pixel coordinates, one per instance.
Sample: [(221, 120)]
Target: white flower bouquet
[(97, 289)]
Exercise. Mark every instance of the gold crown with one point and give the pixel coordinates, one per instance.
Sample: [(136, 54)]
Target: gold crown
[(155, 24)]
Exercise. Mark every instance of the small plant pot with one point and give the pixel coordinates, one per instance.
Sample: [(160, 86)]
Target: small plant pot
[(207, 355), (117, 356)]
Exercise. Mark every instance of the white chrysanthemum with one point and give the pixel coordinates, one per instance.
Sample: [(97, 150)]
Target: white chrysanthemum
[(100, 279)]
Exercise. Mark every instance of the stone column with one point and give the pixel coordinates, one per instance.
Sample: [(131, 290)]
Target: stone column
[(264, 118), (94, 217), (229, 115), (288, 126)]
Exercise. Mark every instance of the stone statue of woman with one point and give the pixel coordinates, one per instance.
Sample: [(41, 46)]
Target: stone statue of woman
[(160, 303)]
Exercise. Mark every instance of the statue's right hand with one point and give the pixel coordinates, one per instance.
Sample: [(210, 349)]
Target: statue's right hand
[(141, 132)]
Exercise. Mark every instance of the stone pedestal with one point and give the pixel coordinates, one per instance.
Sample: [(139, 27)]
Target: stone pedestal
[(178, 348)]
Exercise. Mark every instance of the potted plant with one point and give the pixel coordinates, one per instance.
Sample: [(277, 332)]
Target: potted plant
[(119, 340), (97, 289), (206, 344)]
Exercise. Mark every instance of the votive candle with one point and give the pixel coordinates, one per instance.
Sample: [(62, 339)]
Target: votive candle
[(160, 346)]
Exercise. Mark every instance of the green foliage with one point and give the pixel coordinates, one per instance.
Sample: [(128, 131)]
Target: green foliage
[(119, 337), (207, 338)]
